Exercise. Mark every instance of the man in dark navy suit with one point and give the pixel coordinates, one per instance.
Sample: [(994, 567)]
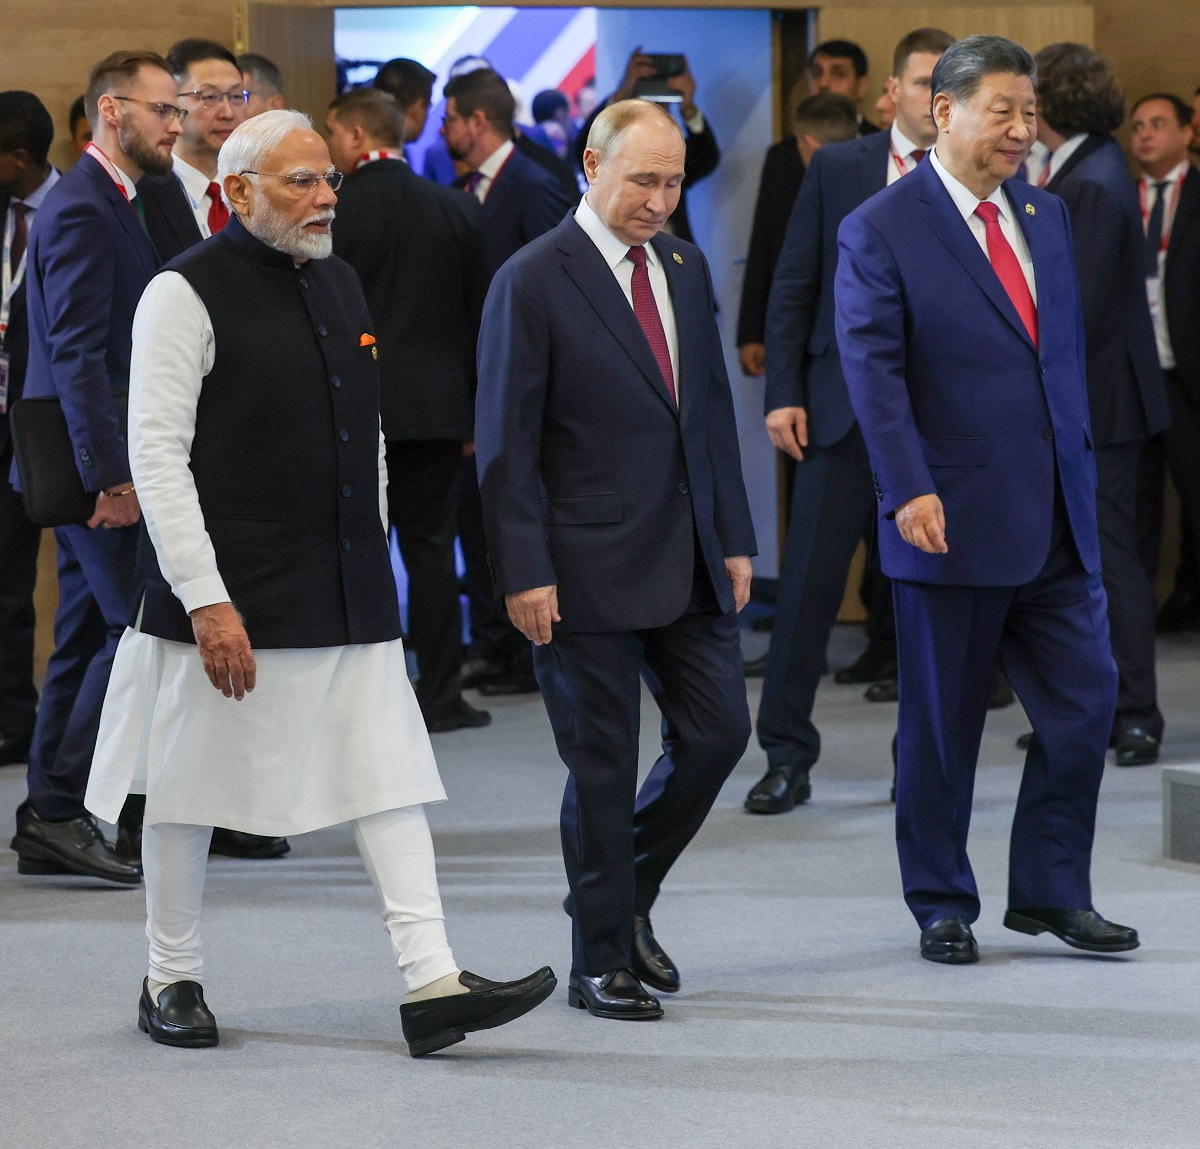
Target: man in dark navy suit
[(88, 261), (809, 417), (1079, 106), (961, 337), (620, 534), (26, 132)]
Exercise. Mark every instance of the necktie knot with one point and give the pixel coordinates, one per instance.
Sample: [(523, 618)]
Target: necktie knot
[(988, 212), (472, 181), (638, 255), (918, 154)]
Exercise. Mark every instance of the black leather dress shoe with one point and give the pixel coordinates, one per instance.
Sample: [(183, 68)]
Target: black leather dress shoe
[(180, 1018), (651, 964), (239, 844), (461, 715), (74, 847), (949, 941), (755, 667), (871, 666), (437, 1022), (1024, 740), (1136, 746), (129, 844), (778, 790), (617, 995), (887, 690), (1083, 929), (14, 749)]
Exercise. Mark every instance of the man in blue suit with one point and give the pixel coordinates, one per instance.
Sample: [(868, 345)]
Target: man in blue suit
[(88, 261), (959, 324), (619, 533)]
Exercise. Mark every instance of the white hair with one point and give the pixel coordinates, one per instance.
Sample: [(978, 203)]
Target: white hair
[(254, 139)]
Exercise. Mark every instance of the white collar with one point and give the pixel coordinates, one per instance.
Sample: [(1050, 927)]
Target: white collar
[(1064, 152), (964, 199), (114, 173), (613, 250), (901, 144), (1172, 177), (194, 181), (495, 161)]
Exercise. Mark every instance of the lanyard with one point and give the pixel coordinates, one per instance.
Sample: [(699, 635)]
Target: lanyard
[(378, 154), (1168, 219), (8, 281)]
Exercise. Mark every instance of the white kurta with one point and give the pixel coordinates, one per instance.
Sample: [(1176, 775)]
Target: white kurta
[(328, 735)]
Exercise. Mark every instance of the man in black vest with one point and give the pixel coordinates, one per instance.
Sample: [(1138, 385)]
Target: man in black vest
[(254, 438)]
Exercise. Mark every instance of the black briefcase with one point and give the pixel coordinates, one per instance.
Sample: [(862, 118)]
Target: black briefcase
[(51, 489)]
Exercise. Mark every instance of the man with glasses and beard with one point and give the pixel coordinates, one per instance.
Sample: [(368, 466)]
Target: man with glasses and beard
[(255, 442), (88, 260)]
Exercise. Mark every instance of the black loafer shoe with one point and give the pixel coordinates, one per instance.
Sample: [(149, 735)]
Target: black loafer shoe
[(1083, 929), (950, 942), (180, 1018), (460, 716), (437, 1022), (1136, 746), (886, 691), (651, 964), (14, 749), (1024, 740), (617, 995), (778, 790), (74, 847), (871, 666), (754, 667), (238, 844)]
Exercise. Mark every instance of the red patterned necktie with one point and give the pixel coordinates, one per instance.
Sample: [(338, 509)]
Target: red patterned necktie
[(1008, 269), (646, 310), (917, 155), (218, 213)]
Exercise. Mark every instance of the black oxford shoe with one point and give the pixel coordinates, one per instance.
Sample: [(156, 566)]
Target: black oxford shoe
[(437, 1022), (1136, 746), (73, 847), (651, 964), (950, 942), (871, 666), (1083, 929), (779, 790), (179, 1018), (459, 715), (888, 690), (755, 667), (617, 995), (239, 844)]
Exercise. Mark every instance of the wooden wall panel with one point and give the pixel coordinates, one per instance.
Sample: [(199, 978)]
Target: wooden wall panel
[(300, 42)]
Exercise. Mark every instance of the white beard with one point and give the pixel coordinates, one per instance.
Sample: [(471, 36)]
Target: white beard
[(275, 230)]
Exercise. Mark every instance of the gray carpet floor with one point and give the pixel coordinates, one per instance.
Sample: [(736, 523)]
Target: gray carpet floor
[(806, 1017)]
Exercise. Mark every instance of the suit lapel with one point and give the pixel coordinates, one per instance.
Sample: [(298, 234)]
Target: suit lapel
[(689, 313), (873, 164), (1085, 149), (18, 299), (125, 214), (1185, 213)]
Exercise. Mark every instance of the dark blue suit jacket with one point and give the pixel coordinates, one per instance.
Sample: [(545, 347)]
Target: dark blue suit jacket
[(591, 478), (803, 367), (89, 261), (952, 396), (1125, 383), (1181, 277), (16, 344)]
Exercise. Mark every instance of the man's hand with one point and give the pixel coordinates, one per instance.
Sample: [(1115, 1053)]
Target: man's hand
[(922, 524), (640, 67), (740, 572), (685, 85), (119, 509), (224, 649), (532, 611), (788, 428), (753, 357)]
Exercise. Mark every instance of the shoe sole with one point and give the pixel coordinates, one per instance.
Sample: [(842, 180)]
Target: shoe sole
[(453, 1036), (1137, 759), (196, 1039), (577, 1001), (33, 858), (1024, 925), (967, 958)]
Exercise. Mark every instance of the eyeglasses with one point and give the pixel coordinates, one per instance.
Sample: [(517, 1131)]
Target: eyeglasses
[(237, 97), (304, 182), (166, 112)]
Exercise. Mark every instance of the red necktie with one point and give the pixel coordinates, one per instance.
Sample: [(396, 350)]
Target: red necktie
[(20, 234), (1008, 269), (1044, 174), (647, 314), (917, 155), (218, 213)]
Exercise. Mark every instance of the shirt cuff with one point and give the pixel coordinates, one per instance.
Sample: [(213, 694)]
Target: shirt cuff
[(696, 124), (208, 590)]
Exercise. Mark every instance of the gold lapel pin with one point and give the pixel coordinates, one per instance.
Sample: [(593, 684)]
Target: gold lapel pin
[(677, 257), (374, 352), (1030, 209)]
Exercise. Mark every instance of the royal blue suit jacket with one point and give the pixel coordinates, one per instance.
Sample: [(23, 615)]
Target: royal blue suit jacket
[(952, 396), (1126, 391), (803, 367), (592, 479), (89, 261)]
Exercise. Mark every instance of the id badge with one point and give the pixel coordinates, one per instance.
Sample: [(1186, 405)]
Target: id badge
[(5, 363)]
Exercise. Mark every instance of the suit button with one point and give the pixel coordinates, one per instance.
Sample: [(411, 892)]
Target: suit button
[(344, 435), (345, 490), (336, 380), (1048, 434), (345, 544), (682, 488), (322, 329)]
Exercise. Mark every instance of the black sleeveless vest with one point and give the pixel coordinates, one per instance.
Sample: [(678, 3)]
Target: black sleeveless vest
[(285, 455)]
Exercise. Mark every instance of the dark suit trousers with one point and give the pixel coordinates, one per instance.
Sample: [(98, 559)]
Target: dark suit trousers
[(618, 841), (19, 540), (1182, 442), (422, 508), (96, 588), (1130, 596), (1051, 636), (833, 506)]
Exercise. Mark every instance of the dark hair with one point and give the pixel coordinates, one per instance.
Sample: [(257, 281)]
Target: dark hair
[(931, 40), (483, 91), (78, 112), (377, 112), (546, 105), (1078, 91), (841, 50), (184, 53), (406, 80), (827, 117), (117, 71), (261, 70), (1183, 113), (25, 123), (964, 64)]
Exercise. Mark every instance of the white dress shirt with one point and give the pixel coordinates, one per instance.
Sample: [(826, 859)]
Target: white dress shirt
[(616, 254), (1155, 289), (490, 168), (903, 147), (195, 188), (1061, 154)]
